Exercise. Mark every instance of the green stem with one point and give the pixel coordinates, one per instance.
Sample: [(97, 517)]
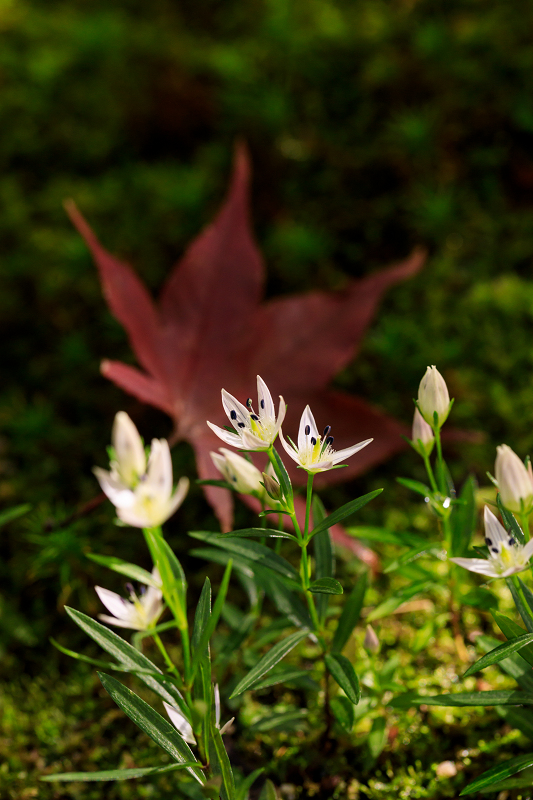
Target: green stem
[(168, 661), (310, 478), (429, 471), (524, 519), (440, 461)]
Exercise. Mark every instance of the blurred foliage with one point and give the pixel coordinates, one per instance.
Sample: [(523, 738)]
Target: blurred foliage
[(373, 126)]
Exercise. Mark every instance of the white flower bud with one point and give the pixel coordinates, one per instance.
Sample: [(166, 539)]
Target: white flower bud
[(423, 433), (514, 481), (371, 642), (433, 396), (243, 476)]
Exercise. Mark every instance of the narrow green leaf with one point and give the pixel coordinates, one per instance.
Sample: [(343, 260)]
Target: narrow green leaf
[(282, 476), (223, 762), (268, 792), (463, 518), (523, 608), (499, 653), (498, 773), (528, 594), (517, 718), (415, 486), (117, 774), (287, 721), (344, 511), (514, 665), (350, 613), (124, 568), (511, 630), (14, 513), (326, 586), (244, 786), (401, 596), (323, 552), (250, 551), (172, 574), (285, 600), (287, 675), (202, 615), (148, 720), (386, 536), (510, 521), (250, 533), (268, 661), (377, 736), (208, 631), (500, 697), (343, 672), (411, 555), (125, 654), (343, 711)]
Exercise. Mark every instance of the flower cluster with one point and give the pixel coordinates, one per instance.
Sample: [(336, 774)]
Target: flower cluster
[(314, 452)]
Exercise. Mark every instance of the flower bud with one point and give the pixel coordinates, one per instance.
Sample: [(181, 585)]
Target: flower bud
[(433, 397), (238, 471), (514, 481), (273, 489), (371, 642), (423, 436)]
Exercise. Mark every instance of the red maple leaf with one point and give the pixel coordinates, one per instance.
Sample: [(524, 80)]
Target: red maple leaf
[(211, 330)]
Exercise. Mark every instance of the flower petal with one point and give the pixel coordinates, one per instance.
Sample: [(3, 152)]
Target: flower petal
[(494, 530), (129, 449), (266, 404), (119, 494), (250, 441), (159, 472), (178, 497), (289, 449), (527, 550), (120, 623), (340, 455), (230, 404), (120, 608), (230, 438), (180, 723), (281, 416), (481, 565), (307, 421)]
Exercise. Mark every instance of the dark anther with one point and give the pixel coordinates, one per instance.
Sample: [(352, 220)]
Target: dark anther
[(511, 540), (494, 549), (234, 478), (233, 414), (488, 541), (262, 403), (313, 440), (329, 440), (327, 430), (242, 425), (129, 587), (307, 430), (249, 402), (254, 416)]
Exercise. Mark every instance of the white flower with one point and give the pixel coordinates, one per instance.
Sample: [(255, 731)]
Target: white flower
[(506, 556), (252, 431), (184, 726), (314, 452), (139, 613), (433, 396), (422, 432), (515, 482), (243, 476), (141, 492)]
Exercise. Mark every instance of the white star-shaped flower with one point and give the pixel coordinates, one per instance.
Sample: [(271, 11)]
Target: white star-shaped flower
[(142, 492), (182, 724), (243, 476), (506, 556), (252, 431), (139, 613), (315, 452)]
